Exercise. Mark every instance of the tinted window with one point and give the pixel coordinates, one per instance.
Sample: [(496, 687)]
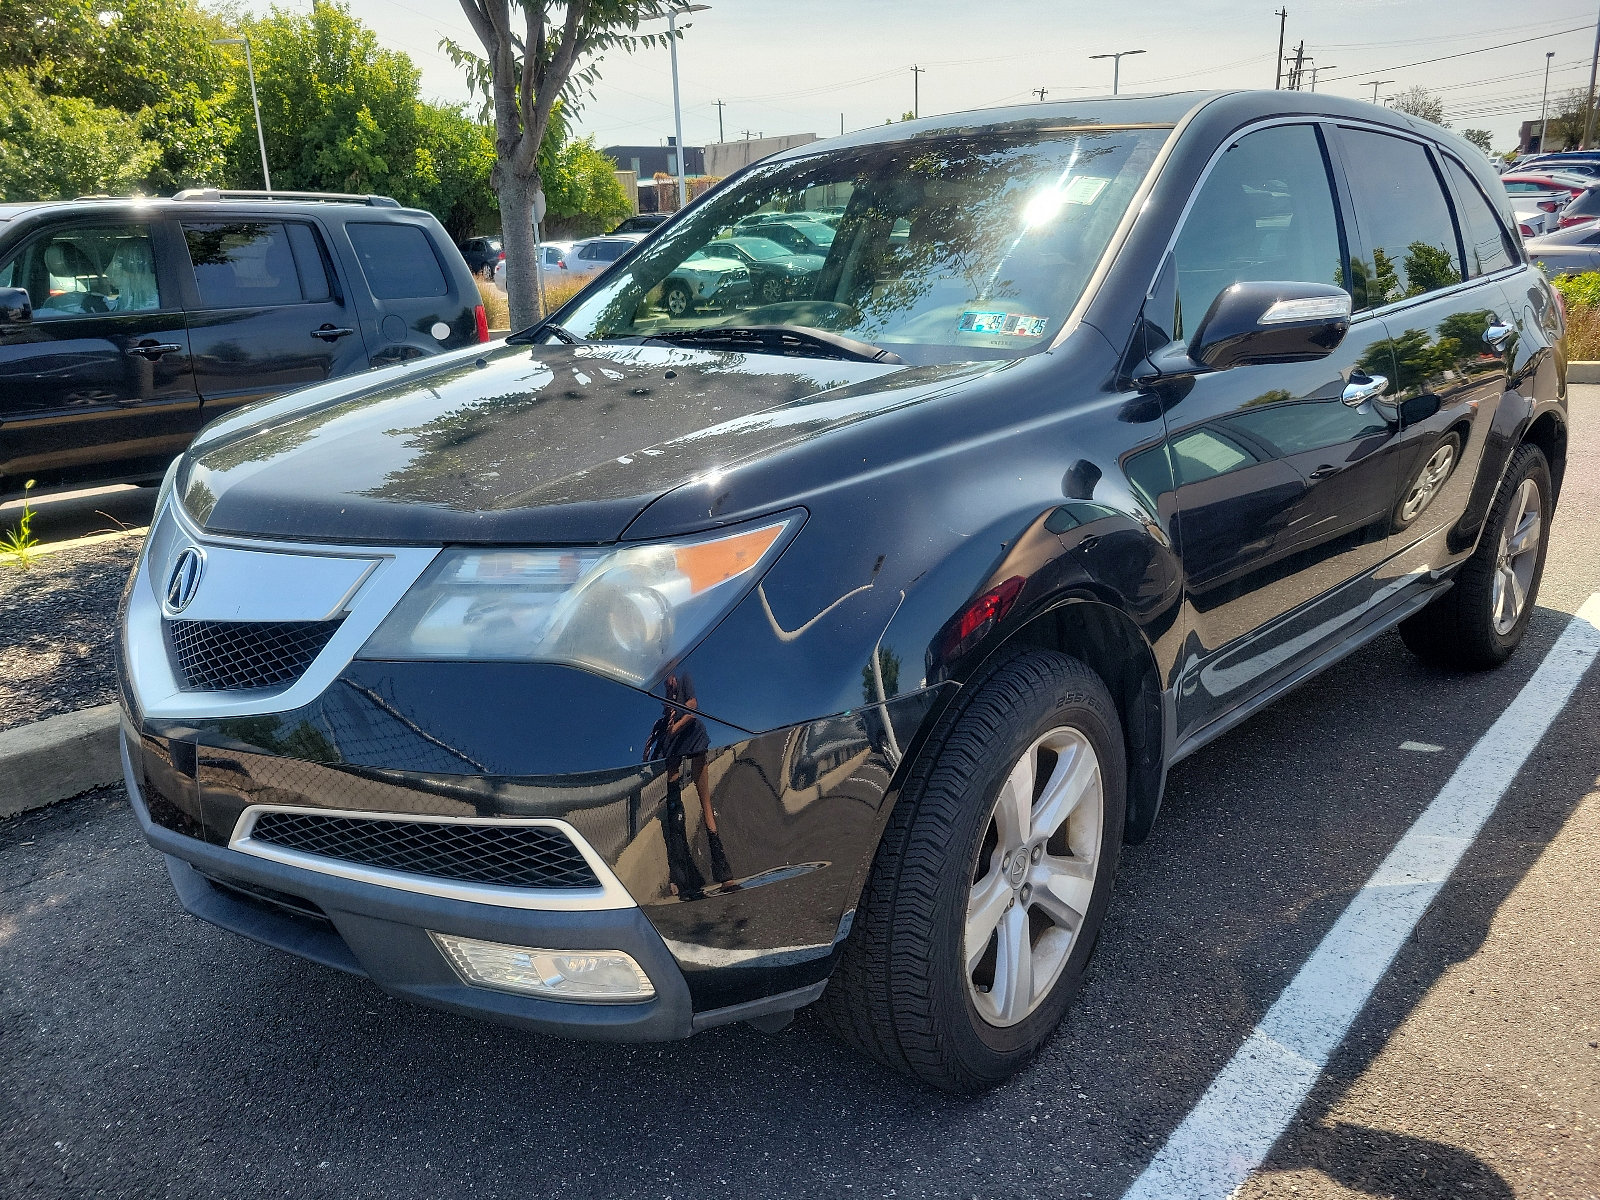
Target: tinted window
[(1265, 212), (398, 260), (245, 264), (309, 262), (1481, 231), (70, 272), (1405, 223)]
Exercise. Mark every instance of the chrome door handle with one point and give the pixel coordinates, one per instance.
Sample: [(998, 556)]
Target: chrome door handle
[(154, 350), (1362, 388), (329, 334), (1324, 471), (1498, 334)]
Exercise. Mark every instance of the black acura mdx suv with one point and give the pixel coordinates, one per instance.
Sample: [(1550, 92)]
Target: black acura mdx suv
[(650, 672)]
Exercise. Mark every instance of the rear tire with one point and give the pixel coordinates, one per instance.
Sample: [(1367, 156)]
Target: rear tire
[(1480, 621), (910, 991)]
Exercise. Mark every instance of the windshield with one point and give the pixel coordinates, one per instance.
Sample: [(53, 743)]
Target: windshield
[(941, 249)]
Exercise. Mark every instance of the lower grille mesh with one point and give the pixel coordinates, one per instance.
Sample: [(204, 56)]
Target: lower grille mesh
[(229, 656), (527, 856)]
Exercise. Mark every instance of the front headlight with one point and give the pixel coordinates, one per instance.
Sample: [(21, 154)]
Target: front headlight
[(626, 611)]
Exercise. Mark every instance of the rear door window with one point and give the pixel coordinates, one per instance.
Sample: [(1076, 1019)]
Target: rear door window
[(1409, 237), (398, 260), (255, 264), (86, 270), (1487, 246)]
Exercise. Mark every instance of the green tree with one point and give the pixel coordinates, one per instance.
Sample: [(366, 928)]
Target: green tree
[(58, 146), (523, 73), (455, 155), (151, 60), (1479, 138), (1420, 102), (583, 192), (339, 112)]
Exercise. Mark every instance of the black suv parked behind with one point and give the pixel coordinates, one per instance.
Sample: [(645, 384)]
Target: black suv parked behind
[(126, 325), (661, 669)]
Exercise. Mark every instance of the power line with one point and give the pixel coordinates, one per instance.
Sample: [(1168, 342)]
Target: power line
[(1465, 53)]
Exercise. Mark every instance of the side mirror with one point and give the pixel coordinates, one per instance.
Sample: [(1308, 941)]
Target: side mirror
[(1271, 323), (15, 306)]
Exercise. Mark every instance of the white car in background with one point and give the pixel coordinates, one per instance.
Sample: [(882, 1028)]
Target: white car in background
[(552, 260), (593, 255)]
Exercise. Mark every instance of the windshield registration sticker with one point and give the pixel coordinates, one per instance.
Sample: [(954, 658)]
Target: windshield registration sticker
[(1014, 324)]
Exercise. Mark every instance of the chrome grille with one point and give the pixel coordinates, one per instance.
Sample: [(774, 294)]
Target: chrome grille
[(233, 656), (523, 856)]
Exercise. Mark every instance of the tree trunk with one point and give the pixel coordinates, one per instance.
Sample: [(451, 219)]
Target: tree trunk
[(516, 193)]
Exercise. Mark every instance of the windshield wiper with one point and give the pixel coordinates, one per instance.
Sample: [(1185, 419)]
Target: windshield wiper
[(560, 332), (780, 339)]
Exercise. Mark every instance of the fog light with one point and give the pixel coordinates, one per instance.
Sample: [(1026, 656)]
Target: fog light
[(596, 976)]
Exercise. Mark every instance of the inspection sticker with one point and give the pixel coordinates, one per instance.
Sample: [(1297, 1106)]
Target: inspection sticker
[(1014, 324), (1085, 189)]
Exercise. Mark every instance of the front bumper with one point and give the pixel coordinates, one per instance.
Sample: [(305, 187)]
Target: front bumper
[(730, 868), (383, 933)]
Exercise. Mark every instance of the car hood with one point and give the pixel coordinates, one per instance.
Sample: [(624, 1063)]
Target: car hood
[(521, 444)]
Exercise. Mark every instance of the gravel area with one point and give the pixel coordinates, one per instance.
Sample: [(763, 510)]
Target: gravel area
[(57, 620)]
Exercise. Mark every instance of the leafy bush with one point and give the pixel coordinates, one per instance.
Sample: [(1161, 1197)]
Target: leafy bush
[(1582, 294)]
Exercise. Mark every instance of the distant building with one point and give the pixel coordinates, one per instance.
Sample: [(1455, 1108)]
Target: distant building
[(724, 158), (648, 161)]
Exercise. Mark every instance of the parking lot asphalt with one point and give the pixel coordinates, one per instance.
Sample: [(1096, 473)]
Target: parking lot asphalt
[(62, 516), (145, 1053)]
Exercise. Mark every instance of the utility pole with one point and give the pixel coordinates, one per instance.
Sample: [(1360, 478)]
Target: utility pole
[(1315, 68), (1039, 92), (1283, 20), (1116, 66), (841, 124), (720, 107), (1299, 60), (916, 101), (1544, 99), (1376, 84), (1588, 109)]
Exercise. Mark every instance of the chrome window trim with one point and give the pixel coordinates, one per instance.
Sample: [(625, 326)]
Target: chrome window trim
[(156, 687), (1361, 315), (610, 895)]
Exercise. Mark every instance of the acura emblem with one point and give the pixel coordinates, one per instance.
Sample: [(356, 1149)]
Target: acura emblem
[(185, 579)]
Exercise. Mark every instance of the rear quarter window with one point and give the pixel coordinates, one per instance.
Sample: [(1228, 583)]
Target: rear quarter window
[(398, 260)]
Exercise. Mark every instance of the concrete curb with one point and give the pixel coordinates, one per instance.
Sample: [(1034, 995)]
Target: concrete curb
[(1583, 372), (58, 757)]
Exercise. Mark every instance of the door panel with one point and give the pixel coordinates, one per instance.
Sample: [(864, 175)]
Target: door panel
[(268, 317), (1281, 483), (99, 384)]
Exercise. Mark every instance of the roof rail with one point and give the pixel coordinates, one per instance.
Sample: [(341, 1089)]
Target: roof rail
[(212, 194)]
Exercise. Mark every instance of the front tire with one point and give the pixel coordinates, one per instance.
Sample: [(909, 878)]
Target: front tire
[(991, 883), (1480, 621)]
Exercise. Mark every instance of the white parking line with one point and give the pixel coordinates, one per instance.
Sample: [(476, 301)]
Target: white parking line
[(1230, 1131)]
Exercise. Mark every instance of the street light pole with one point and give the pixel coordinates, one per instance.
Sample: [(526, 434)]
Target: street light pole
[(1116, 66), (1315, 68), (1544, 99), (677, 103), (1588, 108), (250, 68)]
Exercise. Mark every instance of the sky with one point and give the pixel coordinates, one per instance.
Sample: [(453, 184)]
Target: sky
[(803, 66)]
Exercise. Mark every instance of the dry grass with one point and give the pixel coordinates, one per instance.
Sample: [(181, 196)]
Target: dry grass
[(495, 303), (557, 291), (1583, 333)]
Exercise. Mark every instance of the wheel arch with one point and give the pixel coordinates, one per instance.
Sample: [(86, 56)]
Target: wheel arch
[(1548, 431)]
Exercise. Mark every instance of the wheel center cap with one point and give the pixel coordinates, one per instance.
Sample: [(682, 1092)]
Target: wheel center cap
[(1018, 868)]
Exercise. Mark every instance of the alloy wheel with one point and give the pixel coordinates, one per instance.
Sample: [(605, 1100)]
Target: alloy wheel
[(1517, 558), (1034, 876)]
